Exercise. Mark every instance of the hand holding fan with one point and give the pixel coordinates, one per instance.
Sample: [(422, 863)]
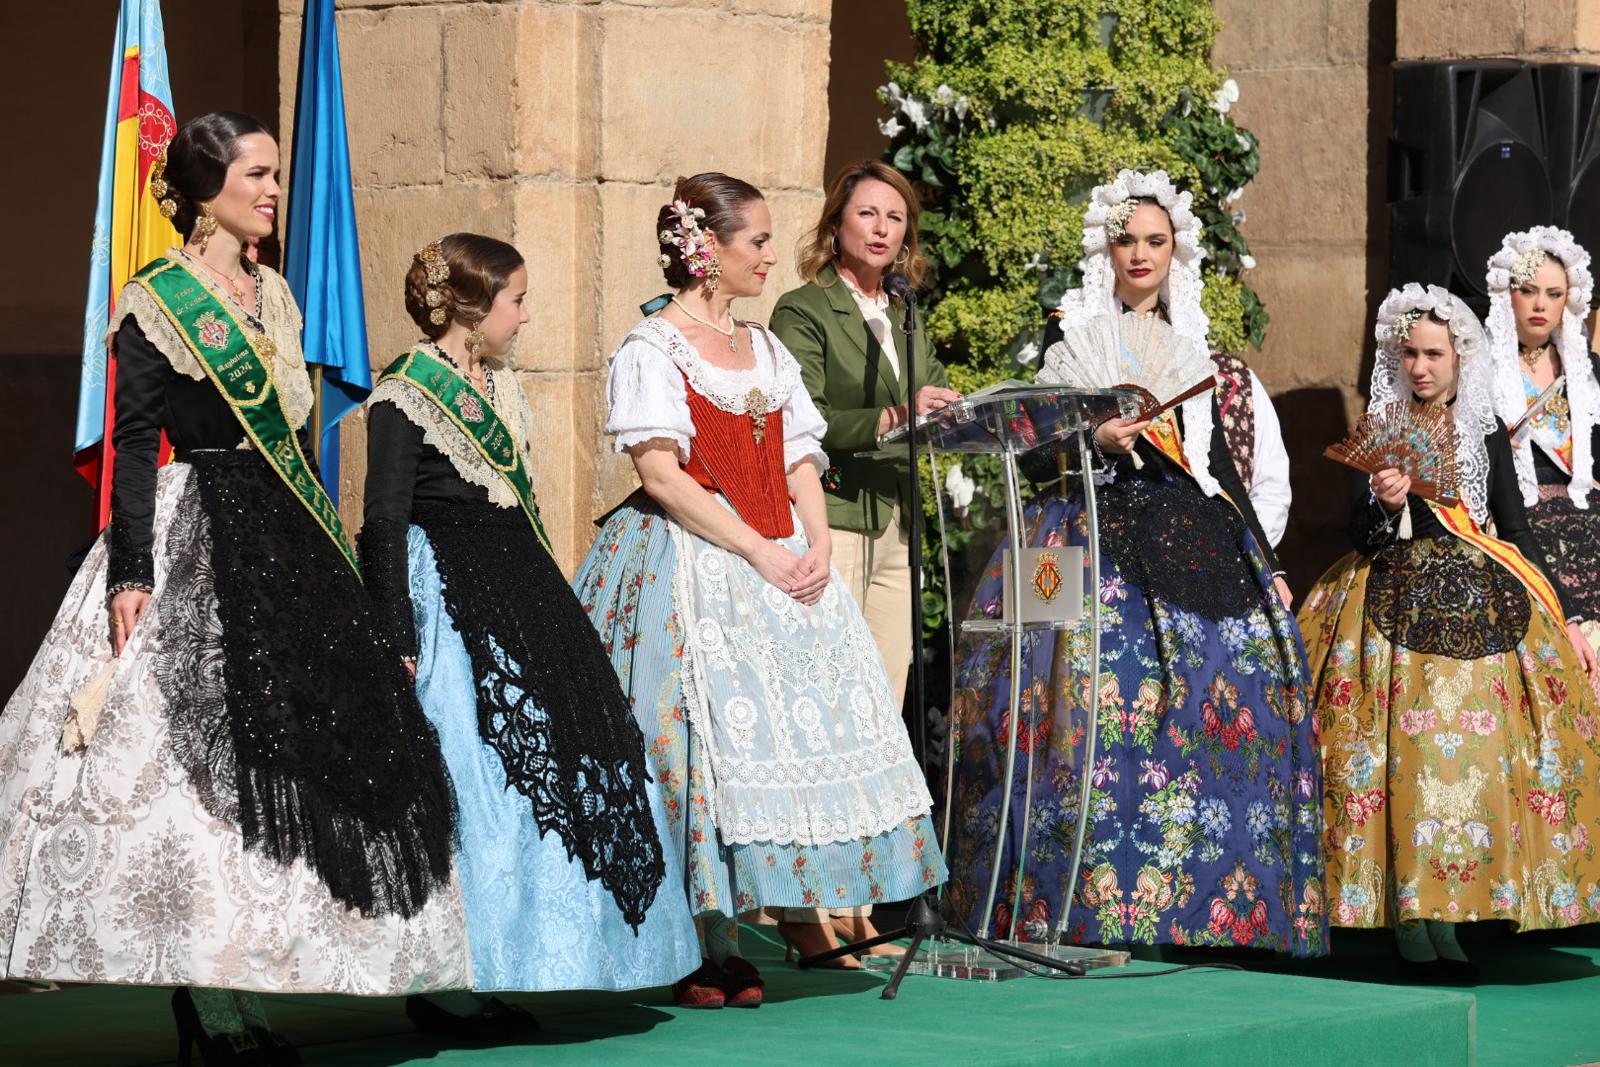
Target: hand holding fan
[(1130, 352), (1418, 440)]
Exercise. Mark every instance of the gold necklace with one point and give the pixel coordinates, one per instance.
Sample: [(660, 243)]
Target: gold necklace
[(233, 285), (731, 333), (1532, 356)]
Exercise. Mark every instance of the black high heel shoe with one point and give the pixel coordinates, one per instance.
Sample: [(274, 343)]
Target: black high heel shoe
[(497, 1021), (216, 1050)]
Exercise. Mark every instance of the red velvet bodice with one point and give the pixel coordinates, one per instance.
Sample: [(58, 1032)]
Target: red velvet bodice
[(726, 459)]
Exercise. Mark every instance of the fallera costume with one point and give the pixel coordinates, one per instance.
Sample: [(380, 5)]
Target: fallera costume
[(566, 881), (261, 805)]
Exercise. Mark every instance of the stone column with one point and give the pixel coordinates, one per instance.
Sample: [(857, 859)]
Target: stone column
[(1481, 29), (560, 126)]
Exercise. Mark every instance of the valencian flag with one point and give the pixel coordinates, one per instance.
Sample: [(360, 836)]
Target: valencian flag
[(322, 254), (129, 230)]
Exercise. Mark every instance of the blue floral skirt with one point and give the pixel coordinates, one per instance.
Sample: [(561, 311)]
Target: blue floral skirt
[(626, 586), (535, 921), (1205, 823)]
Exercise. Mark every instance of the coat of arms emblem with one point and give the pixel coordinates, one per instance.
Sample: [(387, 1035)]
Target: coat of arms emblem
[(212, 331), (469, 407), (1047, 577)]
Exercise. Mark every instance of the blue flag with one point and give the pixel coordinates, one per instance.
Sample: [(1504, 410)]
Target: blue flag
[(322, 253)]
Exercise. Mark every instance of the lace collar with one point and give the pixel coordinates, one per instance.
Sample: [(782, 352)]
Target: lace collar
[(757, 390)]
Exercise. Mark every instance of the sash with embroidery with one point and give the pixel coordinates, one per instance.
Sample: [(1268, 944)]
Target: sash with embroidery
[(1163, 433), (238, 360), (474, 416), (1458, 520)]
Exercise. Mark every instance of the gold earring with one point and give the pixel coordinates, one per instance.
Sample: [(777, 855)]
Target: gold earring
[(475, 342), (713, 275), (836, 246), (205, 226), (904, 257)]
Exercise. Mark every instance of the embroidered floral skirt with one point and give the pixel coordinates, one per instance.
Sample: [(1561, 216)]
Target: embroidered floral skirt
[(1460, 743), (536, 920), (1571, 537), (628, 587), (112, 867), (1205, 802)]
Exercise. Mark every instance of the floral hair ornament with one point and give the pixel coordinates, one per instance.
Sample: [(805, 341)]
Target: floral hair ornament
[(1402, 325), (159, 187), (1117, 218), (693, 244), (432, 259), (1527, 265)]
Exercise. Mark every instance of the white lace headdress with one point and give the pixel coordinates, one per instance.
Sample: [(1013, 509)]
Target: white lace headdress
[(1109, 208), (1519, 256), (1474, 404)]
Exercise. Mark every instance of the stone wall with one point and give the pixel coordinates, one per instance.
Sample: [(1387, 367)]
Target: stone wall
[(560, 127), (1476, 29)]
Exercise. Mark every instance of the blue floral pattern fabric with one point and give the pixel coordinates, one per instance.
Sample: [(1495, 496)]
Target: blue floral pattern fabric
[(1205, 823)]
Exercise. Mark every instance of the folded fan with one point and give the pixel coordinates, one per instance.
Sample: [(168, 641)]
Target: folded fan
[(1418, 440), (1133, 352)]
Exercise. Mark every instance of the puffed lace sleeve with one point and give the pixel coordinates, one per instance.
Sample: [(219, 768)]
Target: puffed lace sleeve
[(803, 424), (646, 399)]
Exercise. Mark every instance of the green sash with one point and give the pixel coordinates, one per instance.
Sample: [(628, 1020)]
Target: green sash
[(475, 417), (239, 363)]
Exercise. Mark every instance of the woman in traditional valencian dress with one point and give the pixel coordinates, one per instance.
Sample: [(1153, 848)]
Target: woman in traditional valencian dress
[(1459, 729), (790, 780), (1540, 286), (1204, 824), (560, 855), (261, 804)]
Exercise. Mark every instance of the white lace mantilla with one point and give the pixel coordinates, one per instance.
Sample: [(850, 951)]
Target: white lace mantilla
[(280, 316), (805, 742), (1474, 402), (452, 442)]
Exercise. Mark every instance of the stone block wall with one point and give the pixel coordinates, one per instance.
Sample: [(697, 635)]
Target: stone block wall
[(560, 126)]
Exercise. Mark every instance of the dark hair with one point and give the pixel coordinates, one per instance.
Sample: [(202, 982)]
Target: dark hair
[(722, 198), (479, 268), (816, 249), (198, 159)]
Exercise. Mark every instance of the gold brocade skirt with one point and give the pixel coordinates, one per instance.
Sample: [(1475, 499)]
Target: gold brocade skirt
[(1459, 743)]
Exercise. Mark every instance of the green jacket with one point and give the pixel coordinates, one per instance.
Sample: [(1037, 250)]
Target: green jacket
[(851, 381)]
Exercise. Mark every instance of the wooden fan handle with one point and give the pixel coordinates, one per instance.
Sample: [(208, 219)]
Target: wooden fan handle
[(1193, 391), (1426, 490)]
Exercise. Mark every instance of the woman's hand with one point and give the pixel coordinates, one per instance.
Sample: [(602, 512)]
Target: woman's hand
[(126, 609), (1119, 435), (930, 398), (1283, 592), (811, 578), (1585, 653), (411, 667), (776, 564), (1391, 487)]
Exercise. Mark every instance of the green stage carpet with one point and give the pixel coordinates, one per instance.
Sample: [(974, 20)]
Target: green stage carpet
[(1538, 1005)]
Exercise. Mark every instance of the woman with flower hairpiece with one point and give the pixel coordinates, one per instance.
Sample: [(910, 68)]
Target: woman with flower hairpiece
[(790, 780), (565, 879), (1540, 287), (1204, 825), (1459, 730), (217, 775), (849, 340)]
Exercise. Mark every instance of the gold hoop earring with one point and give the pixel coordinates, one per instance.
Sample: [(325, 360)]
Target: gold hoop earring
[(835, 242), (205, 226), (904, 257), (475, 341)]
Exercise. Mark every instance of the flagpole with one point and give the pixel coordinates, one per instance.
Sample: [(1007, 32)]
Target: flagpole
[(316, 413)]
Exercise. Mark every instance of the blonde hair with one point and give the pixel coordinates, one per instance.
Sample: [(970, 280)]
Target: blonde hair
[(816, 248)]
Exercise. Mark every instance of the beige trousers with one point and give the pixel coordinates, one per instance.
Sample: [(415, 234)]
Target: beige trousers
[(876, 570)]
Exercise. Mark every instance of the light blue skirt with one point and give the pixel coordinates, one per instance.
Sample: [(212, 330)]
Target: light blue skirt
[(534, 920), (626, 586)]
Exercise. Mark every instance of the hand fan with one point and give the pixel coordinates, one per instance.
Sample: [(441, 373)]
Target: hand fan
[(1416, 439), (1130, 352), (1519, 432)]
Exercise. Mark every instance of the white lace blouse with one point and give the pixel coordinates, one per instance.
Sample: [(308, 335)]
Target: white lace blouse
[(646, 398)]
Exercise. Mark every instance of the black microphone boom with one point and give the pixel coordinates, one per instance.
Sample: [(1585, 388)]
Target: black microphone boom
[(898, 286)]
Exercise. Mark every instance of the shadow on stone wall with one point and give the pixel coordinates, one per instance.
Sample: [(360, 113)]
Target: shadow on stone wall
[(1312, 420)]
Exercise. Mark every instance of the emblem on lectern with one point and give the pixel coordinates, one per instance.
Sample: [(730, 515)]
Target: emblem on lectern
[(1047, 576)]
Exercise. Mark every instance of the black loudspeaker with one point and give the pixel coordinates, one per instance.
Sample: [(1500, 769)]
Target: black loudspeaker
[(1570, 95), (1466, 166)]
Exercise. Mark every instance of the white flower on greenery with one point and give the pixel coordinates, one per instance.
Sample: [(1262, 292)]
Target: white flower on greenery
[(916, 111), (891, 93), (944, 96), (890, 127), (961, 106), (1244, 142), (1238, 216), (1233, 197), (1027, 353), (1225, 97), (959, 487), (1247, 261), (1036, 262)]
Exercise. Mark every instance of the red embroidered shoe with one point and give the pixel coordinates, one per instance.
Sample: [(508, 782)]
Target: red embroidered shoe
[(741, 983), (700, 989)]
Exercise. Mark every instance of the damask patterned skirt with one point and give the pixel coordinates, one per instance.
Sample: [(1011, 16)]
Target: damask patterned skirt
[(540, 912), (1571, 537), (820, 664), (1460, 743), (1205, 802), (122, 863)]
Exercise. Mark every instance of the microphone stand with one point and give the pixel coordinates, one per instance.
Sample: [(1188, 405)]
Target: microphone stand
[(901, 287)]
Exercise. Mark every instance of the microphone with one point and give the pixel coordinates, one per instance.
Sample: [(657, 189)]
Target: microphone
[(898, 286)]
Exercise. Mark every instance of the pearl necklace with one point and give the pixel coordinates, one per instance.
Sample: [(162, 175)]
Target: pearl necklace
[(731, 333)]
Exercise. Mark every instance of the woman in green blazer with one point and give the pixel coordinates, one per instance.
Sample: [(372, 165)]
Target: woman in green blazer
[(849, 340)]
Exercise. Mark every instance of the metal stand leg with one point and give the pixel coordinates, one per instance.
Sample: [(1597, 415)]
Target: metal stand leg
[(952, 732)]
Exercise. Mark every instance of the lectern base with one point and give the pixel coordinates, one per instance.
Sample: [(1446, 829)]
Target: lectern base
[(950, 959)]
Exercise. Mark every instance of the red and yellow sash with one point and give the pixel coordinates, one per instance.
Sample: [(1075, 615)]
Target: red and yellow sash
[(1460, 522), (1163, 433)]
